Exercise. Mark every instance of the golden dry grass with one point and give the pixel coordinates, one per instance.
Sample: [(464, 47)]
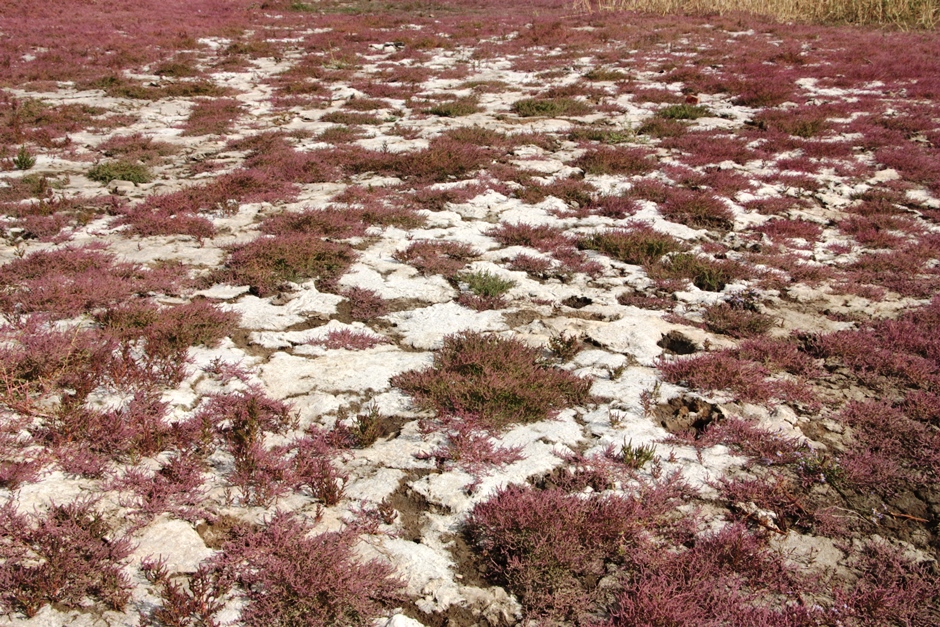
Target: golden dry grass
[(899, 13)]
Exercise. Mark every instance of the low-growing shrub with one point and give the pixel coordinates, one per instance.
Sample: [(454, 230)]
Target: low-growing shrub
[(70, 281), (24, 160), (119, 170), (697, 210), (550, 107), (501, 380), (364, 305), (350, 340), (213, 116), (639, 244), (602, 134), (267, 263), (662, 127), (726, 577), (541, 237), (486, 283), (706, 274), (552, 548), (195, 601), (738, 322), (609, 160), (290, 577), (135, 148), (66, 557), (456, 108), (329, 222), (682, 111), (350, 118), (437, 257)]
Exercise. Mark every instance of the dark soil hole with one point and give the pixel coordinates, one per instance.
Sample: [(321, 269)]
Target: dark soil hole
[(676, 343), (687, 415), (577, 302), (411, 508)]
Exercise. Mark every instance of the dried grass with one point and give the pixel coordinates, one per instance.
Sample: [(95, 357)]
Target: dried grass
[(904, 14)]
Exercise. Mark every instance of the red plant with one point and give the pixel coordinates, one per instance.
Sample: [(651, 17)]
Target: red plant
[(698, 210), (213, 116), (71, 281), (541, 237), (364, 304), (725, 577), (196, 601), (551, 548), (437, 257), (471, 447), (66, 556), (267, 263), (502, 381), (176, 487), (289, 576), (606, 160), (350, 340)]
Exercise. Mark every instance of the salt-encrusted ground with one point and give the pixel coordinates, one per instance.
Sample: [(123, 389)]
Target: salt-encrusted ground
[(803, 152)]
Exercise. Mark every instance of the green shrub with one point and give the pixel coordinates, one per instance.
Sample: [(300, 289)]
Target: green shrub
[(23, 159), (456, 108), (549, 107), (486, 284), (683, 111), (120, 170)]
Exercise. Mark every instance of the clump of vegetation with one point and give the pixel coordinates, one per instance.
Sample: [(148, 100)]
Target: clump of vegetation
[(602, 134), (267, 263), (485, 283), (605, 74), (635, 456), (705, 273), (639, 244), (606, 160), (682, 111), (67, 556), (24, 160), (661, 127), (292, 577), (456, 108), (550, 107), (119, 170), (736, 321), (437, 257), (212, 116), (500, 380)]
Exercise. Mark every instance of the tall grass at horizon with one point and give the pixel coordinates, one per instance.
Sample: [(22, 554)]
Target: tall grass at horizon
[(904, 14)]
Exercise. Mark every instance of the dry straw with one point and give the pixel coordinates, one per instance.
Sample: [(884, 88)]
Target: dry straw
[(904, 14)]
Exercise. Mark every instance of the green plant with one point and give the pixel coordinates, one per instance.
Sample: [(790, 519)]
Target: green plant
[(636, 456), (485, 283), (605, 74), (683, 111), (602, 135), (456, 108), (23, 159), (639, 244), (549, 107), (119, 170)]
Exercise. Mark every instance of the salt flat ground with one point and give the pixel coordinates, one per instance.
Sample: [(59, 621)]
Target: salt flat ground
[(332, 313)]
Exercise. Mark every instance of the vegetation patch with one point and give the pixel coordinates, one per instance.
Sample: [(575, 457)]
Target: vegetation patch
[(120, 170), (502, 381), (268, 263)]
